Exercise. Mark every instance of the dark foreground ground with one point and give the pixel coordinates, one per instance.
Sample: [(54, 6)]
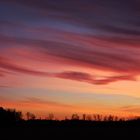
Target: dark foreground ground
[(47, 130)]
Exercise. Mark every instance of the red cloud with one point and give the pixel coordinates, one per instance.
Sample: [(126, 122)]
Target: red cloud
[(71, 75), (85, 77)]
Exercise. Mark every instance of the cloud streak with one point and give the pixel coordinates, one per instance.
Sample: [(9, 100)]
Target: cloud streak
[(131, 108), (71, 75), (38, 101), (85, 77)]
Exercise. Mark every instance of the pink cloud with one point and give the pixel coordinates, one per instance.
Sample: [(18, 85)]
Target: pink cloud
[(71, 75)]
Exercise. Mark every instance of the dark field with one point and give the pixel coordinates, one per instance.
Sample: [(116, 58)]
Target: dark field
[(14, 127), (44, 130)]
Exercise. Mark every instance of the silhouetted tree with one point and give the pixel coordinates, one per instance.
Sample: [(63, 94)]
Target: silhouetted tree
[(51, 116), (9, 115), (97, 117), (75, 117), (110, 118), (88, 117), (66, 118), (105, 118), (116, 118), (30, 116), (84, 117)]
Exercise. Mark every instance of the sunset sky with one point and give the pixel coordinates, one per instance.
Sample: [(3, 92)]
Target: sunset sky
[(70, 56)]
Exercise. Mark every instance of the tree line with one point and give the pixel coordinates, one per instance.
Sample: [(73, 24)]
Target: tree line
[(11, 115)]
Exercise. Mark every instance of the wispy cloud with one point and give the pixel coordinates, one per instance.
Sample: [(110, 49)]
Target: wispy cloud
[(85, 77), (89, 52), (131, 108), (38, 101), (71, 75)]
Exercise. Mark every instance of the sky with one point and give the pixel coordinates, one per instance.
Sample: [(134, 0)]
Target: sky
[(70, 56)]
